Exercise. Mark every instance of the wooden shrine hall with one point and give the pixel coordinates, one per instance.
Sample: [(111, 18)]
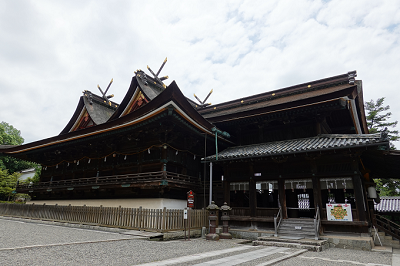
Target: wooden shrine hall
[(295, 152)]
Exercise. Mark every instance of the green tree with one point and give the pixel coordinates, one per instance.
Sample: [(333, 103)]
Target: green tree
[(378, 119), (8, 183), (9, 135), (388, 187)]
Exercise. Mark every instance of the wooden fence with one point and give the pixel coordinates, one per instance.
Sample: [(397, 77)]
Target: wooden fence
[(159, 220)]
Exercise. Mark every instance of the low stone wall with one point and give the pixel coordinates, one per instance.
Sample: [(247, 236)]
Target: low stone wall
[(194, 233), (249, 234), (359, 243)]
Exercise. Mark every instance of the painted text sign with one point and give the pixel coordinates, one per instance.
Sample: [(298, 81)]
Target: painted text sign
[(339, 212)]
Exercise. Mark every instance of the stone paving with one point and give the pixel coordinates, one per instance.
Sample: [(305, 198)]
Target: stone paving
[(26, 243)]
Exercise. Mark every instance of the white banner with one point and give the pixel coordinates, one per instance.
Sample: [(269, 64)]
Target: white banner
[(339, 212)]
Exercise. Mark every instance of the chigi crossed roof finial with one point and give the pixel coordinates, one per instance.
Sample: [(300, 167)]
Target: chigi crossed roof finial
[(159, 80), (106, 98), (203, 103)]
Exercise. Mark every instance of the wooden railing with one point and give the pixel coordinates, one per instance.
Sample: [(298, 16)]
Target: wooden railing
[(260, 212), (240, 211), (159, 220), (117, 179), (317, 223), (385, 225), (277, 221)]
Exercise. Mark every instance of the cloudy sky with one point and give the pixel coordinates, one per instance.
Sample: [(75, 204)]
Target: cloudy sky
[(50, 51)]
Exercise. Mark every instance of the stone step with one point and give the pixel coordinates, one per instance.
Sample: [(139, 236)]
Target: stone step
[(301, 235), (286, 228), (301, 241), (297, 222), (290, 245), (294, 225)]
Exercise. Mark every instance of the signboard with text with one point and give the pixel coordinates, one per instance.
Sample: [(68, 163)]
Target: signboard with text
[(339, 212), (190, 199)]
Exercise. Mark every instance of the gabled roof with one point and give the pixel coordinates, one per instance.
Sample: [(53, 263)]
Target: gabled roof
[(318, 143), (170, 101), (91, 107), (338, 87), (141, 84)]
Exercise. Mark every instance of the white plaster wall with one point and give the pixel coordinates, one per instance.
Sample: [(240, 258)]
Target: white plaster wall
[(158, 203)]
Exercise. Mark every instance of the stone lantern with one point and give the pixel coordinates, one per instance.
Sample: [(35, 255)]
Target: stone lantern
[(225, 222), (213, 216)]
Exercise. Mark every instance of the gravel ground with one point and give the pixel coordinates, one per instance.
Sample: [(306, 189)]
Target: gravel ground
[(128, 250), (18, 234), (335, 254)]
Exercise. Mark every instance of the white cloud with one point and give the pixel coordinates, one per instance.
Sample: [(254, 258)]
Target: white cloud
[(52, 50)]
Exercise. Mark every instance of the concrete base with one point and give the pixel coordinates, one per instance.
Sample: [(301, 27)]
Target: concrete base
[(214, 237), (225, 236), (194, 233), (350, 242), (249, 234), (155, 203)]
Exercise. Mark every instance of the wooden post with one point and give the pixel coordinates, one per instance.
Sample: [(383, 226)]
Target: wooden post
[(316, 186), (227, 191), (359, 195), (282, 197), (252, 193)]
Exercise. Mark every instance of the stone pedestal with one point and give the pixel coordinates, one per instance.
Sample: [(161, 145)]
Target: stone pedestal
[(225, 222), (212, 214)]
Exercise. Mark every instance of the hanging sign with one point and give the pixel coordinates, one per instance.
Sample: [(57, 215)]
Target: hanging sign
[(339, 212), (190, 199)]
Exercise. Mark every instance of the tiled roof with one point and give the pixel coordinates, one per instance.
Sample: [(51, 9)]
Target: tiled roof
[(388, 204), (318, 143)]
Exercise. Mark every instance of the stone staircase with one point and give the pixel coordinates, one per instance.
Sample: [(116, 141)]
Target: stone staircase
[(386, 239), (294, 233), (297, 228), (309, 244)]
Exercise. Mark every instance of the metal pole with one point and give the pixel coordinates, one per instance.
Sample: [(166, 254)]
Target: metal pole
[(210, 183), (205, 170)]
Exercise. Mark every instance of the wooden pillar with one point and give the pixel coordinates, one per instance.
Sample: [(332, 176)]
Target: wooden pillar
[(360, 195), (282, 197), (252, 192), (227, 191), (316, 186), (227, 186)]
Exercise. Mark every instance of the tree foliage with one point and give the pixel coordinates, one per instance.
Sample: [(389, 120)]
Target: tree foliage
[(9, 135), (388, 187), (8, 183), (378, 119)]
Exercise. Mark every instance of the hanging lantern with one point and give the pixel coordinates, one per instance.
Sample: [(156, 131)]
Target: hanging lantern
[(77, 163), (125, 158), (88, 161), (291, 185), (114, 155), (176, 153), (57, 166), (148, 150), (105, 159), (327, 186), (345, 185), (194, 157)]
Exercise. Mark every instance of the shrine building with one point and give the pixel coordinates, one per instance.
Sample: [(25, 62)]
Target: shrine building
[(297, 151)]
